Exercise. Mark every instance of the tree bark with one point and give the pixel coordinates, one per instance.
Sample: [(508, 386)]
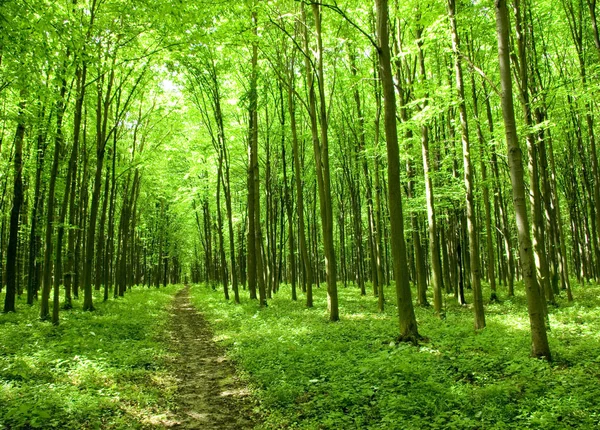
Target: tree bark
[(256, 272), (58, 141), (78, 114), (540, 347), (307, 268), (11, 253), (468, 175), (489, 244), (434, 249), (321, 150), (406, 314)]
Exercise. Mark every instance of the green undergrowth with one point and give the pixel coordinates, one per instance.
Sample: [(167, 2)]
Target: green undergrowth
[(102, 369), (309, 373)]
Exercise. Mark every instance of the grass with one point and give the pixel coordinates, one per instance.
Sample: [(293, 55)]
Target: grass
[(102, 369), (309, 373)]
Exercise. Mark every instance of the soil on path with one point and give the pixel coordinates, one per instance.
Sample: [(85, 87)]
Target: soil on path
[(209, 395)]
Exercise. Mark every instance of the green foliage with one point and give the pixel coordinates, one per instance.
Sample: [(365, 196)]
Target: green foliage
[(312, 374), (102, 369)]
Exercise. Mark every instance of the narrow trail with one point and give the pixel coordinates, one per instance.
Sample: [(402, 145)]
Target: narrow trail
[(210, 396)]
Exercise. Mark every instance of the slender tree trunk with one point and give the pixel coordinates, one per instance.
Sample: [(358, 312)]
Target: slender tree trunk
[(82, 216), (486, 198), (377, 237), (36, 220), (356, 200), (407, 320), (539, 246), (11, 253), (222, 257), (563, 261), (434, 249), (101, 252), (256, 260), (110, 244), (70, 263), (420, 275), (540, 347), (307, 268), (468, 176), (499, 206), (47, 281), (227, 189), (288, 200), (321, 149), (91, 231)]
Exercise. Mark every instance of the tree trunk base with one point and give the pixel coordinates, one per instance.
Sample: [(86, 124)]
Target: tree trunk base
[(411, 338)]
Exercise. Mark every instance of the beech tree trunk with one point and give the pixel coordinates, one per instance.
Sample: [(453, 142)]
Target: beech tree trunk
[(489, 244), (70, 263), (306, 265), (468, 175), (255, 259), (321, 150), (11, 253), (540, 347), (434, 249), (47, 280), (406, 314)]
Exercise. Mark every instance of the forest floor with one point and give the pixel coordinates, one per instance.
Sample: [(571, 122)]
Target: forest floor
[(308, 373), (163, 358), (209, 395)]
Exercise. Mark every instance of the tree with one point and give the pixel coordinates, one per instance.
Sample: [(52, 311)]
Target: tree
[(540, 347), (408, 323), (468, 174), (11, 253)]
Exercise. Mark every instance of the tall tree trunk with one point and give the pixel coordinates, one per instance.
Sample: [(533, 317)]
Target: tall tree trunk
[(489, 244), (535, 198), (306, 266), (110, 245), (256, 273), (420, 275), (563, 260), (70, 263), (540, 347), (36, 220), (100, 152), (406, 314), (227, 190), (499, 206), (356, 200), (321, 149), (58, 141), (288, 199), (11, 253), (468, 175), (434, 249), (222, 257), (101, 260)]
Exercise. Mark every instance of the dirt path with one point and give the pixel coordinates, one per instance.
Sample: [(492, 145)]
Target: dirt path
[(209, 396)]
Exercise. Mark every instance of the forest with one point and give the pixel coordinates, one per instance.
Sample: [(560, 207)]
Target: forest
[(305, 214)]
